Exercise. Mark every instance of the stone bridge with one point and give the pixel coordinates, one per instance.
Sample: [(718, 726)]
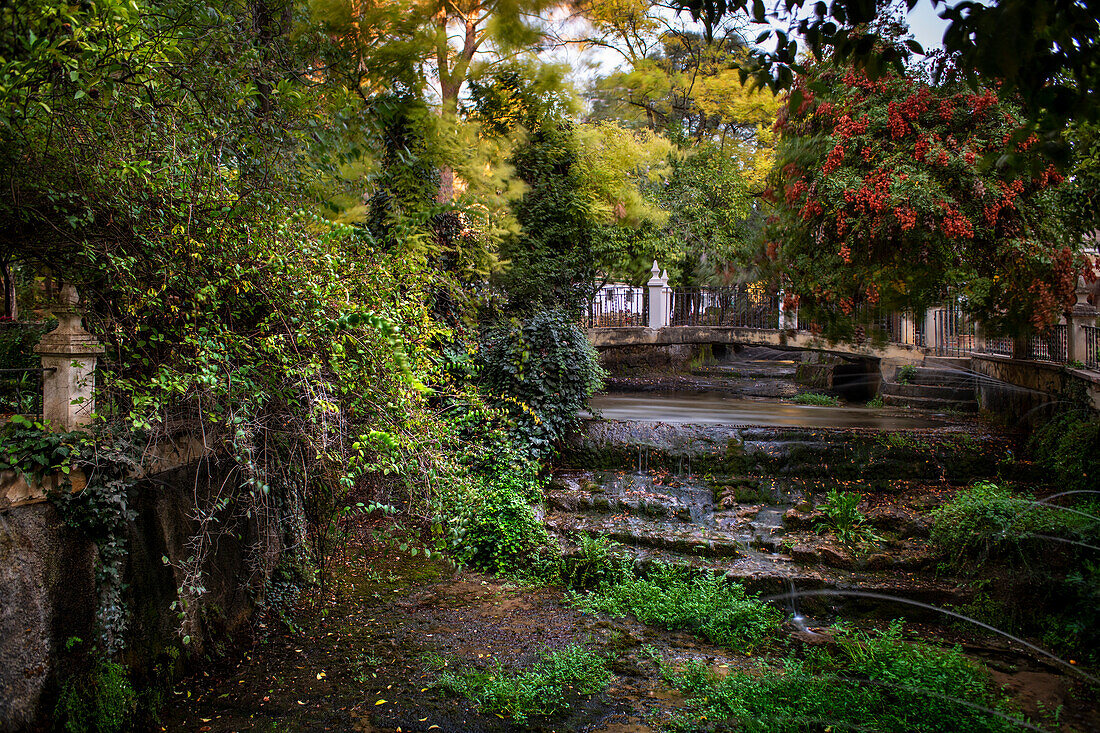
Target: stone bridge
[(661, 316)]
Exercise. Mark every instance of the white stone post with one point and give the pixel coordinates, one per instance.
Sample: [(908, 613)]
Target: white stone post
[(658, 300), (1082, 314), (788, 317), (908, 328), (69, 355), (933, 335)]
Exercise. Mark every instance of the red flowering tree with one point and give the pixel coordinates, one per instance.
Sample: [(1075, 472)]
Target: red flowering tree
[(886, 196)]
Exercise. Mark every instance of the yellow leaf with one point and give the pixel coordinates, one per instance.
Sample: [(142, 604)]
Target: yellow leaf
[(380, 702)]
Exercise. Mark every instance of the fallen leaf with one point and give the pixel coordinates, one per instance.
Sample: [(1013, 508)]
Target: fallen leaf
[(380, 702)]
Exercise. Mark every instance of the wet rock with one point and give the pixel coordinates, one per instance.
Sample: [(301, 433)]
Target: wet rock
[(804, 554), (878, 561), (899, 521), (836, 557), (796, 518)]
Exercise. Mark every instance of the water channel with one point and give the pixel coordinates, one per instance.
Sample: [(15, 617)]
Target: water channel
[(718, 408)]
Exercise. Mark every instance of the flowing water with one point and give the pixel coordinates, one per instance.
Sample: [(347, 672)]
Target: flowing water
[(718, 408)]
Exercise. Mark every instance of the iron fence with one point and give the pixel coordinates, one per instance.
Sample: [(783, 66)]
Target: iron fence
[(1092, 347), (618, 308), (955, 332), (735, 307), (21, 391), (1049, 346)]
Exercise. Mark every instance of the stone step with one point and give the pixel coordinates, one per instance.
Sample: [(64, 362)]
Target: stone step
[(933, 404), (780, 575), (688, 540), (944, 392), (938, 377)]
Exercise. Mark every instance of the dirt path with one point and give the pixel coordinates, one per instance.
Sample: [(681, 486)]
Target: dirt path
[(366, 660)]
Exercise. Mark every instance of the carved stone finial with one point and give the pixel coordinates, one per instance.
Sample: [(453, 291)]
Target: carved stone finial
[(68, 297), (656, 269)]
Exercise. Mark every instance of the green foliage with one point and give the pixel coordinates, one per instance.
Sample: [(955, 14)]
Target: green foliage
[(906, 374), (869, 682), (543, 370), (876, 402), (100, 701), (495, 526), (988, 523), (813, 398), (883, 201), (33, 450), (597, 564), (1067, 446), (844, 519), (546, 688), (677, 598)]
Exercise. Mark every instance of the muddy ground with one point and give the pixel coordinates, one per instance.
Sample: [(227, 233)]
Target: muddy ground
[(364, 657)]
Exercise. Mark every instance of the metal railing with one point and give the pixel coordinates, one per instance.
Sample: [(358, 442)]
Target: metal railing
[(1092, 347), (734, 307), (1050, 345), (955, 332), (21, 391), (618, 308)]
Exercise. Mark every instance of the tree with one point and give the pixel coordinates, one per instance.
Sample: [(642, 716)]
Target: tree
[(676, 82), (1039, 50), (882, 200), (453, 40)]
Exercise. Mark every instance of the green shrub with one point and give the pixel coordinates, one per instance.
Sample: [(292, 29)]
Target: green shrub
[(986, 522), (540, 690), (905, 374), (102, 701), (597, 564), (876, 402), (677, 598), (869, 682), (497, 528), (543, 370), (1068, 448), (813, 398), (844, 519)]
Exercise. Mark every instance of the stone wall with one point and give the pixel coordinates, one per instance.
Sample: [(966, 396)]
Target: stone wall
[(1023, 391), (47, 587)]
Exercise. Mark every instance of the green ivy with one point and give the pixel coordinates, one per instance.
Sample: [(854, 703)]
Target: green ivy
[(543, 371)]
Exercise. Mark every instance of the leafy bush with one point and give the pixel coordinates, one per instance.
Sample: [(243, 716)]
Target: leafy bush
[(906, 374), (987, 522), (876, 401), (677, 598), (102, 701), (496, 526), (540, 690), (596, 565), (870, 682), (844, 519), (813, 398), (1068, 448), (543, 370)]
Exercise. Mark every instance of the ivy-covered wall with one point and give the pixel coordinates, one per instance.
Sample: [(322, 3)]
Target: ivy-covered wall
[(48, 598)]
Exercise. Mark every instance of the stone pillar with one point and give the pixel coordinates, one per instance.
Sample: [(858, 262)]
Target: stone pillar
[(908, 328), (788, 317), (658, 297), (933, 324), (69, 355), (1080, 315)]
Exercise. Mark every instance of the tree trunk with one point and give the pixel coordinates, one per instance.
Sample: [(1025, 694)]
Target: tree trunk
[(10, 306)]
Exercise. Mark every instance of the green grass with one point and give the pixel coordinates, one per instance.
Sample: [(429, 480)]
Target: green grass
[(676, 598), (866, 682), (542, 689), (814, 398)]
